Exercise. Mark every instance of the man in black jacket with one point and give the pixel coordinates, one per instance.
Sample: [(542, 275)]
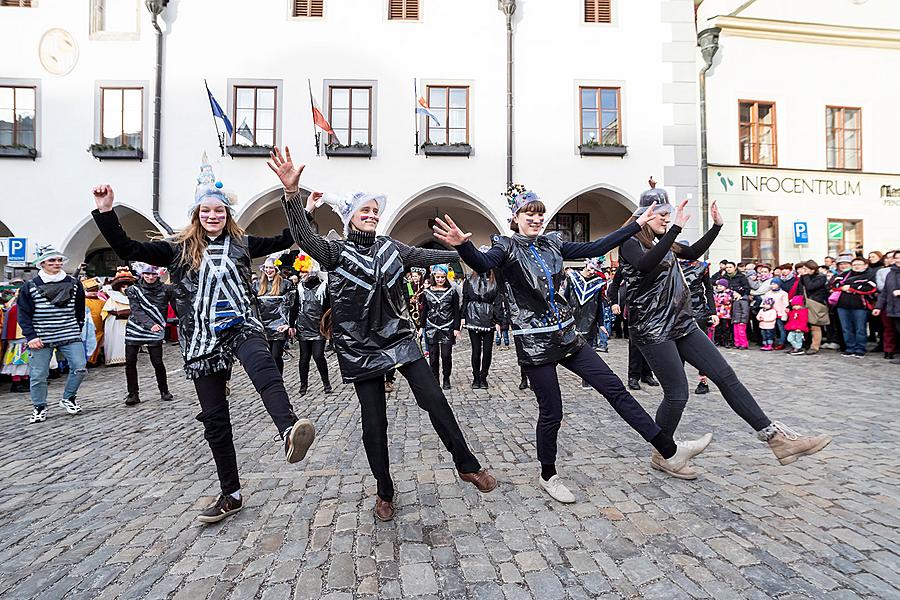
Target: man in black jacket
[(51, 315), (737, 281)]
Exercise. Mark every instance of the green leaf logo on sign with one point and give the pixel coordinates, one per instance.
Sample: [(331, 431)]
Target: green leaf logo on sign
[(835, 231), (749, 228)]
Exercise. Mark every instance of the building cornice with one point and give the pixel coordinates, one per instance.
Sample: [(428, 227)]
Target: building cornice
[(835, 172), (809, 33)]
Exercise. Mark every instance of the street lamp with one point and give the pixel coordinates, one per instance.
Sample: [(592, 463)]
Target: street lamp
[(156, 6), (507, 6)]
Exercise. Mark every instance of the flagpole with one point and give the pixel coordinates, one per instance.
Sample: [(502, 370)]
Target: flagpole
[(219, 136), (415, 114), (312, 114)]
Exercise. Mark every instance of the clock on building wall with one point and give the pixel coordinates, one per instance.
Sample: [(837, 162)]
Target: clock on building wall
[(58, 52)]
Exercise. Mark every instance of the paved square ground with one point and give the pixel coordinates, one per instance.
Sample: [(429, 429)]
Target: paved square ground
[(102, 504)]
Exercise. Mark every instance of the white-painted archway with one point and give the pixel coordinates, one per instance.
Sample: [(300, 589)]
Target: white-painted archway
[(85, 236)]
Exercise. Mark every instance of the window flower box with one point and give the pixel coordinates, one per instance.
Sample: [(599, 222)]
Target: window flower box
[(238, 150), (18, 151), (602, 150), (446, 149), (358, 150), (105, 151)]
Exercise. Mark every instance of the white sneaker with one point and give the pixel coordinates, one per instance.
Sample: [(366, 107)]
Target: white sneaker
[(70, 405), (38, 414), (686, 451), (557, 490)]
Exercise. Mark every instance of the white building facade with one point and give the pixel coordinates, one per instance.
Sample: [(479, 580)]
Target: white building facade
[(604, 95), (802, 125)]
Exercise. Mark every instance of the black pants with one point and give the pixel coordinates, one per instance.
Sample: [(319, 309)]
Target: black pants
[(482, 351), (276, 347), (724, 333), (638, 367), (441, 353), (253, 353), (314, 349), (586, 364), (156, 359), (666, 359), (431, 399)]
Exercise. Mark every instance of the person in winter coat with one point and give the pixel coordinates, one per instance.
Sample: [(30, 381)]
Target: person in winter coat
[(530, 266), (857, 298), (889, 301), (737, 281), (703, 303), (724, 298), (479, 296), (814, 287), (781, 303), (372, 329), (149, 300), (314, 302), (767, 317), (440, 322), (761, 283), (277, 303), (664, 328), (209, 264), (740, 316), (797, 325), (889, 337), (51, 314)]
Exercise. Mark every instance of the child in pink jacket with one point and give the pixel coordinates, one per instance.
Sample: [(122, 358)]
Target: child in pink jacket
[(781, 303), (797, 325), (767, 316)]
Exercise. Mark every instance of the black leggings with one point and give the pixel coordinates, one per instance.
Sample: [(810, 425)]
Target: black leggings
[(314, 349), (666, 360), (253, 353), (482, 351), (430, 398), (586, 364), (156, 359), (638, 368), (276, 347), (441, 353)]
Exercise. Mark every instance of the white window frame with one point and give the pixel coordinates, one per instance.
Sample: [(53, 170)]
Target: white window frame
[(98, 105), (278, 84), (423, 92), (599, 83), (114, 36), (327, 84), (38, 113)]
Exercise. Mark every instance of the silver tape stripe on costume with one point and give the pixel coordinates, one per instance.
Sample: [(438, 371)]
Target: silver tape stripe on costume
[(352, 257), (557, 327), (442, 327), (353, 278), (149, 307), (359, 255), (395, 277)]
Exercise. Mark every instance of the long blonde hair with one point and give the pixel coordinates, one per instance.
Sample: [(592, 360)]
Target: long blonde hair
[(192, 239), (264, 284)]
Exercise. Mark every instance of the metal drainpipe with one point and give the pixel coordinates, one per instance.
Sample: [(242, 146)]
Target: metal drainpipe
[(509, 7), (708, 40), (156, 9)]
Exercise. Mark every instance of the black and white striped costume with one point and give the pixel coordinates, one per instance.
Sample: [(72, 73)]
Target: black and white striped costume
[(149, 307), (53, 312)]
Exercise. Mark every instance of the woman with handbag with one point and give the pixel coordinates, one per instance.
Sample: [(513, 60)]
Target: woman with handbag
[(856, 299), (815, 290)]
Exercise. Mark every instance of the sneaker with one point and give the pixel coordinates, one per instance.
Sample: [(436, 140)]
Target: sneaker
[(302, 391), (132, 399), (327, 388), (446, 385), (687, 450), (811, 352), (797, 352), (38, 414), (779, 347), (225, 505), (483, 384), (859, 355), (166, 396), (476, 384), (847, 354), (557, 490), (70, 405), (702, 388), (830, 346), (659, 463), (788, 445), (298, 439), (603, 349), (766, 348)]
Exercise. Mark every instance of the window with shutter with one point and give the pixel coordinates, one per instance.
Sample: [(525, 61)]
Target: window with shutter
[(18, 3), (403, 10), (308, 8), (598, 11)]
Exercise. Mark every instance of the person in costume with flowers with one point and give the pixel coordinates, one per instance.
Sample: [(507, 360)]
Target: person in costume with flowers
[(372, 329), (209, 263), (314, 304)]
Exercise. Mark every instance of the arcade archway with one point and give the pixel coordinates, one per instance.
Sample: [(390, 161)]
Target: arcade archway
[(264, 216), (591, 214), (85, 240)]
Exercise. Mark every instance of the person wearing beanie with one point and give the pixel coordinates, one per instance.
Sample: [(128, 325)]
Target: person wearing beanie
[(479, 295), (209, 263), (781, 303), (51, 313), (314, 303), (723, 298), (797, 325), (277, 307), (664, 329), (371, 324), (529, 264), (149, 301), (440, 323), (767, 317)]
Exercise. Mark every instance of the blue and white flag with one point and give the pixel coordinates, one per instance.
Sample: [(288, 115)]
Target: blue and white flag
[(218, 112)]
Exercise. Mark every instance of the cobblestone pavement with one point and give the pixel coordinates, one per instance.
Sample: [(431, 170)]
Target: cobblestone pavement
[(102, 505)]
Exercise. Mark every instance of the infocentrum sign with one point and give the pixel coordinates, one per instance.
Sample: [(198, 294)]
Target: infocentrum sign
[(819, 186)]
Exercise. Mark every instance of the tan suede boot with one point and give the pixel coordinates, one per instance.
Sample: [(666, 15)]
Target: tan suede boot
[(788, 445), (659, 463)]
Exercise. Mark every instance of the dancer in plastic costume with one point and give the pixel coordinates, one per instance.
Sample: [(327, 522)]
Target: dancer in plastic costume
[(440, 321), (479, 297), (529, 265), (314, 303), (662, 324), (370, 319), (210, 266), (703, 304), (584, 293), (277, 301)]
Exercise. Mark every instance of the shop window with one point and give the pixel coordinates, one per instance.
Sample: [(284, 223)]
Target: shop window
[(574, 227), (759, 239)]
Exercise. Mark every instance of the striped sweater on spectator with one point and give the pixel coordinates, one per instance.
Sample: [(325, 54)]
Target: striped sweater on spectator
[(52, 311)]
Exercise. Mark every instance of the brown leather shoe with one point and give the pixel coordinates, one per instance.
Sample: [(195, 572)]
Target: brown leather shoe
[(483, 480), (384, 510)]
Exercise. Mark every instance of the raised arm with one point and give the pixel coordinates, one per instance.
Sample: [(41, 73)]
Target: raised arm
[(573, 250), (413, 256), (696, 250), (645, 260), (263, 246), (159, 253), (449, 232)]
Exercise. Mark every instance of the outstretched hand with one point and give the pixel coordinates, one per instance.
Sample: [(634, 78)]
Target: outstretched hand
[(647, 215), (716, 215), (283, 166), (449, 232), (311, 201), (103, 197), (681, 217)]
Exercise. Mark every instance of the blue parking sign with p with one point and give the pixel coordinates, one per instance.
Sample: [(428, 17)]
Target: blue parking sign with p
[(801, 232), (17, 247)]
